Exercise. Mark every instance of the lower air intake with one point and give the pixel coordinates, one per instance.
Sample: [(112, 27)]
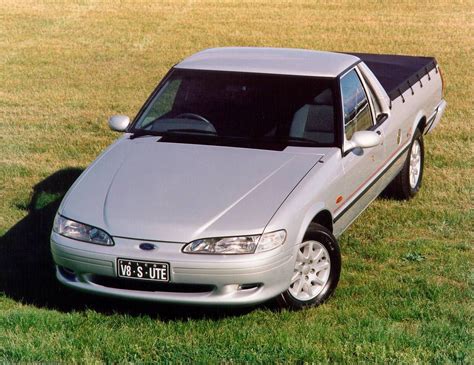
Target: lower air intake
[(149, 286)]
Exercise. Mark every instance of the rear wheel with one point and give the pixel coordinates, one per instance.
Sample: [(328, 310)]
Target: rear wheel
[(408, 182), (316, 272)]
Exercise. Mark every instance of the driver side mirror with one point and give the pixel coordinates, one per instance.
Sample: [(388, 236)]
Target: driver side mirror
[(119, 123), (363, 139)]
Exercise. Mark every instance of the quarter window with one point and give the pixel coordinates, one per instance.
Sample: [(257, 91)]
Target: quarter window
[(357, 115)]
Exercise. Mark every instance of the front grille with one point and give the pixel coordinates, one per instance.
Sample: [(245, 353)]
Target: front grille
[(149, 286)]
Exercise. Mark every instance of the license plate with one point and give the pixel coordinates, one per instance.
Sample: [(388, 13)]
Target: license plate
[(144, 270)]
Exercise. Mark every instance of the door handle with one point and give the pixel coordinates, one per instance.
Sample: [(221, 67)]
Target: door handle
[(378, 132)]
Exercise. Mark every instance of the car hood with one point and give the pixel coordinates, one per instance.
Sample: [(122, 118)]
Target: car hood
[(176, 192)]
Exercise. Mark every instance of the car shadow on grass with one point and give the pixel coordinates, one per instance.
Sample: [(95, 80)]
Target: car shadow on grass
[(27, 272)]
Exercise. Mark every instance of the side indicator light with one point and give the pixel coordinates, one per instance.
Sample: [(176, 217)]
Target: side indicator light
[(339, 199)]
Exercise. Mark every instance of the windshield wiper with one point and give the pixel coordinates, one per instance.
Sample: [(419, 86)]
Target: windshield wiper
[(299, 139), (190, 130), (143, 132)]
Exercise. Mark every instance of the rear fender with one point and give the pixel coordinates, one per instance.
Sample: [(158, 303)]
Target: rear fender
[(435, 117), (416, 121)]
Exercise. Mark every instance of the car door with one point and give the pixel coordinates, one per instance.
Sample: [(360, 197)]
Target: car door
[(360, 166)]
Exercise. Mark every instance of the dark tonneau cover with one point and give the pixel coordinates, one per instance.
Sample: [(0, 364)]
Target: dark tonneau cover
[(397, 73)]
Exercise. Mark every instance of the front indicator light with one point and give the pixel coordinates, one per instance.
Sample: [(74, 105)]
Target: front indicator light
[(271, 240)]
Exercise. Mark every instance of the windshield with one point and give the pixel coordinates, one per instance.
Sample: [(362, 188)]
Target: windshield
[(249, 107)]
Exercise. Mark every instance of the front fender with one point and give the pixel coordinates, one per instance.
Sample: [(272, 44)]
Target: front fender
[(308, 218)]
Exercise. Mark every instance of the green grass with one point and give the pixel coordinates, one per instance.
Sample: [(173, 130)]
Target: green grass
[(405, 293)]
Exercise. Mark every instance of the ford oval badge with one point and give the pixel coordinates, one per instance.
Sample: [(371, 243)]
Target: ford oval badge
[(147, 246)]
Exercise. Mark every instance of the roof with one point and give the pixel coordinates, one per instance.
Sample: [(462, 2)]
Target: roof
[(283, 61)]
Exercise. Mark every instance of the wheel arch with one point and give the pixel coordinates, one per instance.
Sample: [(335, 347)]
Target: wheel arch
[(419, 122), (323, 218), (317, 213)]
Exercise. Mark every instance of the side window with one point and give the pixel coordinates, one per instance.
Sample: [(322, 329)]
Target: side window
[(357, 116)]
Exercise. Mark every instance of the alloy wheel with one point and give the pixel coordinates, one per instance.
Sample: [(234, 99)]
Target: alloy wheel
[(311, 273), (415, 164)]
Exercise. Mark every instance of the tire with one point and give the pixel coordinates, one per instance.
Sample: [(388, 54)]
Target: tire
[(318, 278), (402, 186)]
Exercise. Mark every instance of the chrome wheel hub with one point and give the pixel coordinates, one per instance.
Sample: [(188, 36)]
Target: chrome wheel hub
[(311, 272), (415, 164)]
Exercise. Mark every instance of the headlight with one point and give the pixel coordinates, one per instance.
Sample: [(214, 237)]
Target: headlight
[(237, 245), (82, 232)]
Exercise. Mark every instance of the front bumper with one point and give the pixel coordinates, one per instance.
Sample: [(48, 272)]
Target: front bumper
[(220, 279)]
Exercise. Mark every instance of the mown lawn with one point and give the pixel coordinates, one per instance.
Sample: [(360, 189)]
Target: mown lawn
[(405, 293)]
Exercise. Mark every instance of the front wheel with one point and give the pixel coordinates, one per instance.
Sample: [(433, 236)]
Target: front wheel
[(316, 272)]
